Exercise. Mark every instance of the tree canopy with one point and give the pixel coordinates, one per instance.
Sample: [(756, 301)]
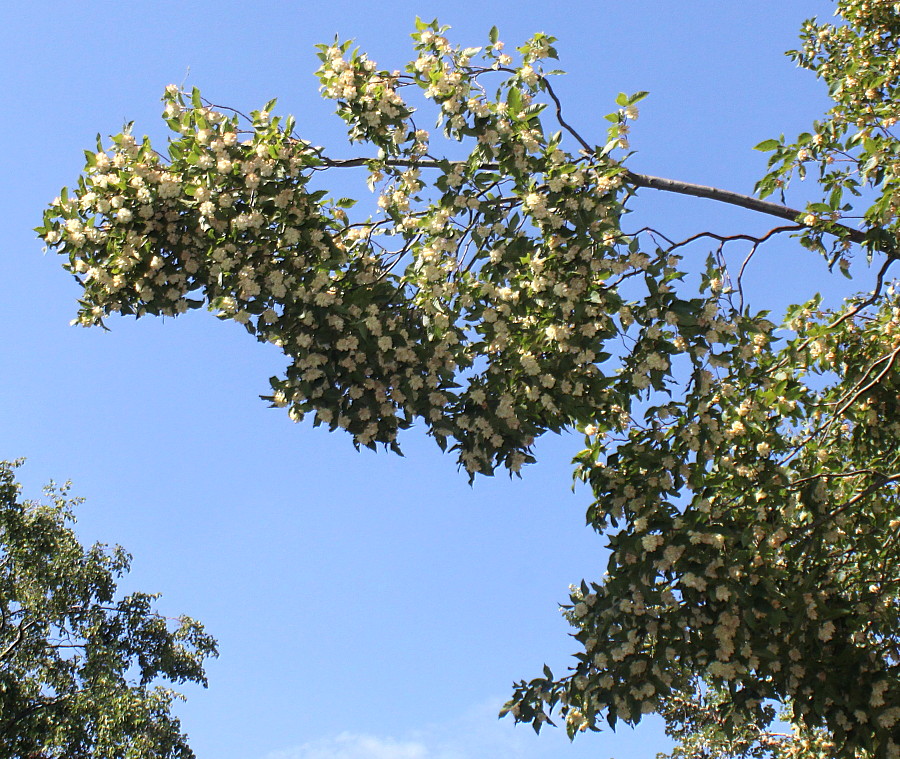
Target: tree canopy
[(743, 466), (80, 668)]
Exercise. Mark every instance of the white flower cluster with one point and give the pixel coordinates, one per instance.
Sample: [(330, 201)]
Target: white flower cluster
[(368, 99)]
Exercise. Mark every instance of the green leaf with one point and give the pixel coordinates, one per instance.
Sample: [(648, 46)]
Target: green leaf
[(767, 145), (514, 101)]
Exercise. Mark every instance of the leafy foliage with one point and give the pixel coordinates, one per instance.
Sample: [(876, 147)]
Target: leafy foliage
[(77, 666), (745, 473)]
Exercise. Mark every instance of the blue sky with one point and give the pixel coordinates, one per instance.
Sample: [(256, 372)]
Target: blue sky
[(366, 605)]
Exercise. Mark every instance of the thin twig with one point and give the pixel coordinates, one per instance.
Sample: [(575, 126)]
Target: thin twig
[(562, 122)]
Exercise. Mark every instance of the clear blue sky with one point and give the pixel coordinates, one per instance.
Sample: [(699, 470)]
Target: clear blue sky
[(366, 605)]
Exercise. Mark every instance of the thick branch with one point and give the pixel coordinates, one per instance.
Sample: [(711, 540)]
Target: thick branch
[(867, 491), (639, 180), (20, 636), (732, 198)]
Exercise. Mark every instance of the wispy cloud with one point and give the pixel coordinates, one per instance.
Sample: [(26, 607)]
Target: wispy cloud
[(477, 735), (351, 746)]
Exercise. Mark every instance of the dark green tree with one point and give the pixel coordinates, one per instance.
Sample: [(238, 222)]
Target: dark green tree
[(81, 670)]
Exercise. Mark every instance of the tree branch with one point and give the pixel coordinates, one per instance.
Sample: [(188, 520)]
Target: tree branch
[(732, 198), (638, 180), (20, 636), (875, 486)]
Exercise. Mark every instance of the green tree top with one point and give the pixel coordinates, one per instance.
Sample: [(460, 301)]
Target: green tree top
[(80, 669)]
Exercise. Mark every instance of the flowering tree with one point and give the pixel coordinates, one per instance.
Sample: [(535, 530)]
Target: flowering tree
[(744, 472), (79, 667)]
